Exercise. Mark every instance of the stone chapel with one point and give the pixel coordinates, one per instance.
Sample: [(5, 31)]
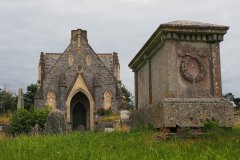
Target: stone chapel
[(78, 81)]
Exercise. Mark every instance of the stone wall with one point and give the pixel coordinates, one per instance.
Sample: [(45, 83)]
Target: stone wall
[(159, 78), (143, 94)]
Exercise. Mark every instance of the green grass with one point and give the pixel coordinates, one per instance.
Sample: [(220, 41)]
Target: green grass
[(116, 146)]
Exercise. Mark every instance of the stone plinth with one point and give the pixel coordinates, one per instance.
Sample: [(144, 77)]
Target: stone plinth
[(184, 112), (178, 76)]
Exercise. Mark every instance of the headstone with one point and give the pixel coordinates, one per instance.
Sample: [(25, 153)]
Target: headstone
[(101, 126), (124, 116), (109, 130), (20, 103), (56, 122), (178, 77), (81, 128)]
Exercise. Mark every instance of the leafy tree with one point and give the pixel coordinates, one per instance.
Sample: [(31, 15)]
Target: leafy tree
[(231, 97), (29, 96), (237, 102), (8, 101), (127, 97)]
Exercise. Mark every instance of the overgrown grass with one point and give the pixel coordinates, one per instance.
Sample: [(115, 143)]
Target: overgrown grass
[(2, 136), (237, 111), (223, 144), (109, 118), (237, 124), (4, 118)]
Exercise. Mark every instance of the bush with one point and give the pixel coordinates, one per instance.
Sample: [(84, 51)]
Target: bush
[(104, 112), (23, 120), (40, 116), (142, 127), (211, 124)]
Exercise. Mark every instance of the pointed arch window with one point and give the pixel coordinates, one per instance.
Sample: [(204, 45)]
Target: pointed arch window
[(51, 100), (108, 100)]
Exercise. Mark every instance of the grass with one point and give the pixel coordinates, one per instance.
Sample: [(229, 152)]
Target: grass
[(237, 124), (225, 144), (237, 111), (110, 118), (4, 118), (2, 136)]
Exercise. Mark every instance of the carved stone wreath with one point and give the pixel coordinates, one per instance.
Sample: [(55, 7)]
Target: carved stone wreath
[(184, 66)]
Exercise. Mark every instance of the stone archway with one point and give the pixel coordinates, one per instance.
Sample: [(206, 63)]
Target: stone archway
[(80, 116), (80, 86)]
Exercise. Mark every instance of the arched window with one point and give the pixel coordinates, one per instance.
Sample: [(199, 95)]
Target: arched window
[(107, 100), (51, 100)]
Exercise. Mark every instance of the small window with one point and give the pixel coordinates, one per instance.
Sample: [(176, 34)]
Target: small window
[(108, 100)]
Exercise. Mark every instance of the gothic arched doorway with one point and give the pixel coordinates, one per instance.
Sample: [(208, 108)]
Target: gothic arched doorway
[(80, 112)]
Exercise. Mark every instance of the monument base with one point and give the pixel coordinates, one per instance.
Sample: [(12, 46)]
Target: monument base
[(184, 112)]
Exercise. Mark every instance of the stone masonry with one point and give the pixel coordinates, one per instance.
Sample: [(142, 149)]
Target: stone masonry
[(78, 69), (178, 76)]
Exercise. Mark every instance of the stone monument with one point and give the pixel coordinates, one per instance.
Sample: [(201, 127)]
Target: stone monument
[(20, 103), (178, 77)]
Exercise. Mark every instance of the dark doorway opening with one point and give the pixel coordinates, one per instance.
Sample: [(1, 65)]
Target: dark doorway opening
[(80, 112)]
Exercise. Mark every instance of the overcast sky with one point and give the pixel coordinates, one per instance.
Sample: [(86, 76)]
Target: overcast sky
[(29, 27)]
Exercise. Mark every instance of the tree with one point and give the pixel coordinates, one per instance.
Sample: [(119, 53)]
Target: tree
[(127, 97), (29, 96), (231, 97), (237, 102), (8, 101)]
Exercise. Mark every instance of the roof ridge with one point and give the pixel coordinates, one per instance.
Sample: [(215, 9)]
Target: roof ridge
[(101, 62)]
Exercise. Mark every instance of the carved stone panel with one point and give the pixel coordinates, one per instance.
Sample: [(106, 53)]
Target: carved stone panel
[(79, 51), (193, 70), (70, 59), (89, 59), (193, 67)]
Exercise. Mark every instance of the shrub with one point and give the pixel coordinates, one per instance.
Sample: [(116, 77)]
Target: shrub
[(23, 120), (104, 112), (210, 124), (40, 116), (142, 127)]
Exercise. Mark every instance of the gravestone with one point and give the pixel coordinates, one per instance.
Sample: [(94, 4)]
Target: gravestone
[(56, 122), (124, 116), (20, 103), (178, 77)]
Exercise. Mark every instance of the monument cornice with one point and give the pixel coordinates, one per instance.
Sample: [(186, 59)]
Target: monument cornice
[(179, 31)]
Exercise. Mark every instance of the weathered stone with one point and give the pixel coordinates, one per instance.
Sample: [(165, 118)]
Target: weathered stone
[(101, 126), (81, 128), (20, 103), (69, 127), (109, 130), (56, 122), (124, 116), (178, 76)]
